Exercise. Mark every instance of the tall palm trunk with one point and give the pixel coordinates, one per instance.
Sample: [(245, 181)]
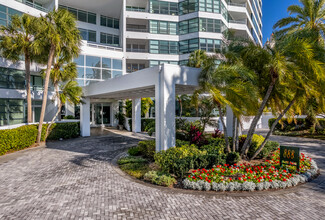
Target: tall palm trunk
[(53, 119), (252, 128), (234, 133), (224, 127), (237, 135), (46, 87), (273, 127), (29, 96)]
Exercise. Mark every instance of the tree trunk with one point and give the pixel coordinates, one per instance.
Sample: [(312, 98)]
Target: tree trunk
[(53, 119), (234, 133), (224, 127), (273, 127), (252, 128), (237, 134), (29, 95), (58, 100), (181, 108), (45, 91)]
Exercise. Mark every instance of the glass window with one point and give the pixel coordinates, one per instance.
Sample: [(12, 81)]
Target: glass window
[(81, 73), (93, 61), (116, 41), (84, 34), (106, 74), (154, 46), (103, 21), (193, 25), (93, 73), (173, 28), (92, 36), (116, 24), (117, 73), (80, 61), (183, 47), (82, 16), (183, 27), (109, 23), (163, 27), (103, 38), (164, 47), (91, 18), (106, 63), (117, 64), (154, 27)]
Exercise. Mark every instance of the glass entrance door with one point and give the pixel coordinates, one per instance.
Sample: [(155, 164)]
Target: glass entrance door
[(106, 114), (98, 114)]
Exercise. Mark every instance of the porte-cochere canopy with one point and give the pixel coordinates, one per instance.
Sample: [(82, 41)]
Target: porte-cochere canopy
[(163, 82)]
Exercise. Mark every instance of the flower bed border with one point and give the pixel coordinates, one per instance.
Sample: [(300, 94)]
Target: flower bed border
[(251, 186)]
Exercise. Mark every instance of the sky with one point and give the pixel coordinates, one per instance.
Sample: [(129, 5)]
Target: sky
[(274, 10)]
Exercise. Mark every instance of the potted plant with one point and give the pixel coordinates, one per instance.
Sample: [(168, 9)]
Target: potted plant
[(120, 117)]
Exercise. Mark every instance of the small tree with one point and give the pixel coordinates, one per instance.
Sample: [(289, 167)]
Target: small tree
[(18, 39), (59, 30)]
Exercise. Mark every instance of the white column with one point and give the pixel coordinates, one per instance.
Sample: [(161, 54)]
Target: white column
[(85, 118), (229, 122), (136, 115), (165, 110)]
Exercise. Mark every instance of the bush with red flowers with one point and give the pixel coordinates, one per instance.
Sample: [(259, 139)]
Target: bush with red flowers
[(249, 177)]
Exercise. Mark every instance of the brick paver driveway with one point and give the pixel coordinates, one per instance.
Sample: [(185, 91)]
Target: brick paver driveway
[(76, 179)]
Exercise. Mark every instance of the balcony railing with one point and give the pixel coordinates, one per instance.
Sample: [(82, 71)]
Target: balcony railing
[(237, 4), (136, 50), (137, 30), (105, 47), (33, 5), (138, 9), (238, 21)]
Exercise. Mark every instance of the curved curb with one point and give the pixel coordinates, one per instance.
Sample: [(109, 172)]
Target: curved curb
[(211, 193)]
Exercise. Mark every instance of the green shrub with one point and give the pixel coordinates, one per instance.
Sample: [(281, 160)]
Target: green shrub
[(257, 140), (134, 151), (215, 146), (25, 136), (131, 159), (147, 123), (159, 178), (64, 131), (269, 147), (232, 158), (147, 148), (180, 143), (179, 161)]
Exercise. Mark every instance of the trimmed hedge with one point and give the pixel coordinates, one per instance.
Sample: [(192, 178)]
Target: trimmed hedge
[(25, 136), (298, 124)]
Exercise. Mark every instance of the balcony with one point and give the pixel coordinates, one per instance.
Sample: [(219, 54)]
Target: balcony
[(242, 21), (237, 4), (33, 5), (105, 47), (137, 9)]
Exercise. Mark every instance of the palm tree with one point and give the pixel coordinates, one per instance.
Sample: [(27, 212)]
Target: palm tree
[(69, 91), (59, 31), (62, 74), (197, 59), (307, 18), (306, 22), (17, 39), (303, 80)]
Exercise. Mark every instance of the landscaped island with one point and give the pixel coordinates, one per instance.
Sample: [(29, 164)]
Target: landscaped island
[(201, 162)]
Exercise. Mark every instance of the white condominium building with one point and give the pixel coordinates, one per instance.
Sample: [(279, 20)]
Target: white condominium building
[(123, 36)]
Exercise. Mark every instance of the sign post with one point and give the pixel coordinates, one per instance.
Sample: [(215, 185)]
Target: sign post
[(290, 154)]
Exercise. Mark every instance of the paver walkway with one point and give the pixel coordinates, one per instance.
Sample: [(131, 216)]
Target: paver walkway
[(75, 179)]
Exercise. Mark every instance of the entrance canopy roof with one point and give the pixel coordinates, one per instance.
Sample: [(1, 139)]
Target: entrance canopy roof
[(142, 83), (162, 82)]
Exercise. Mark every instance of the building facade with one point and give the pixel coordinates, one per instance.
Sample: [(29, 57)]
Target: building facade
[(123, 36)]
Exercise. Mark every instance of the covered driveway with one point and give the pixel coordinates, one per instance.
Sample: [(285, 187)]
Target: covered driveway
[(163, 82)]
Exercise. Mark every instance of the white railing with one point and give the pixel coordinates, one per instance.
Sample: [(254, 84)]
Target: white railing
[(238, 21), (137, 50), (237, 4), (137, 30), (105, 47), (33, 5)]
